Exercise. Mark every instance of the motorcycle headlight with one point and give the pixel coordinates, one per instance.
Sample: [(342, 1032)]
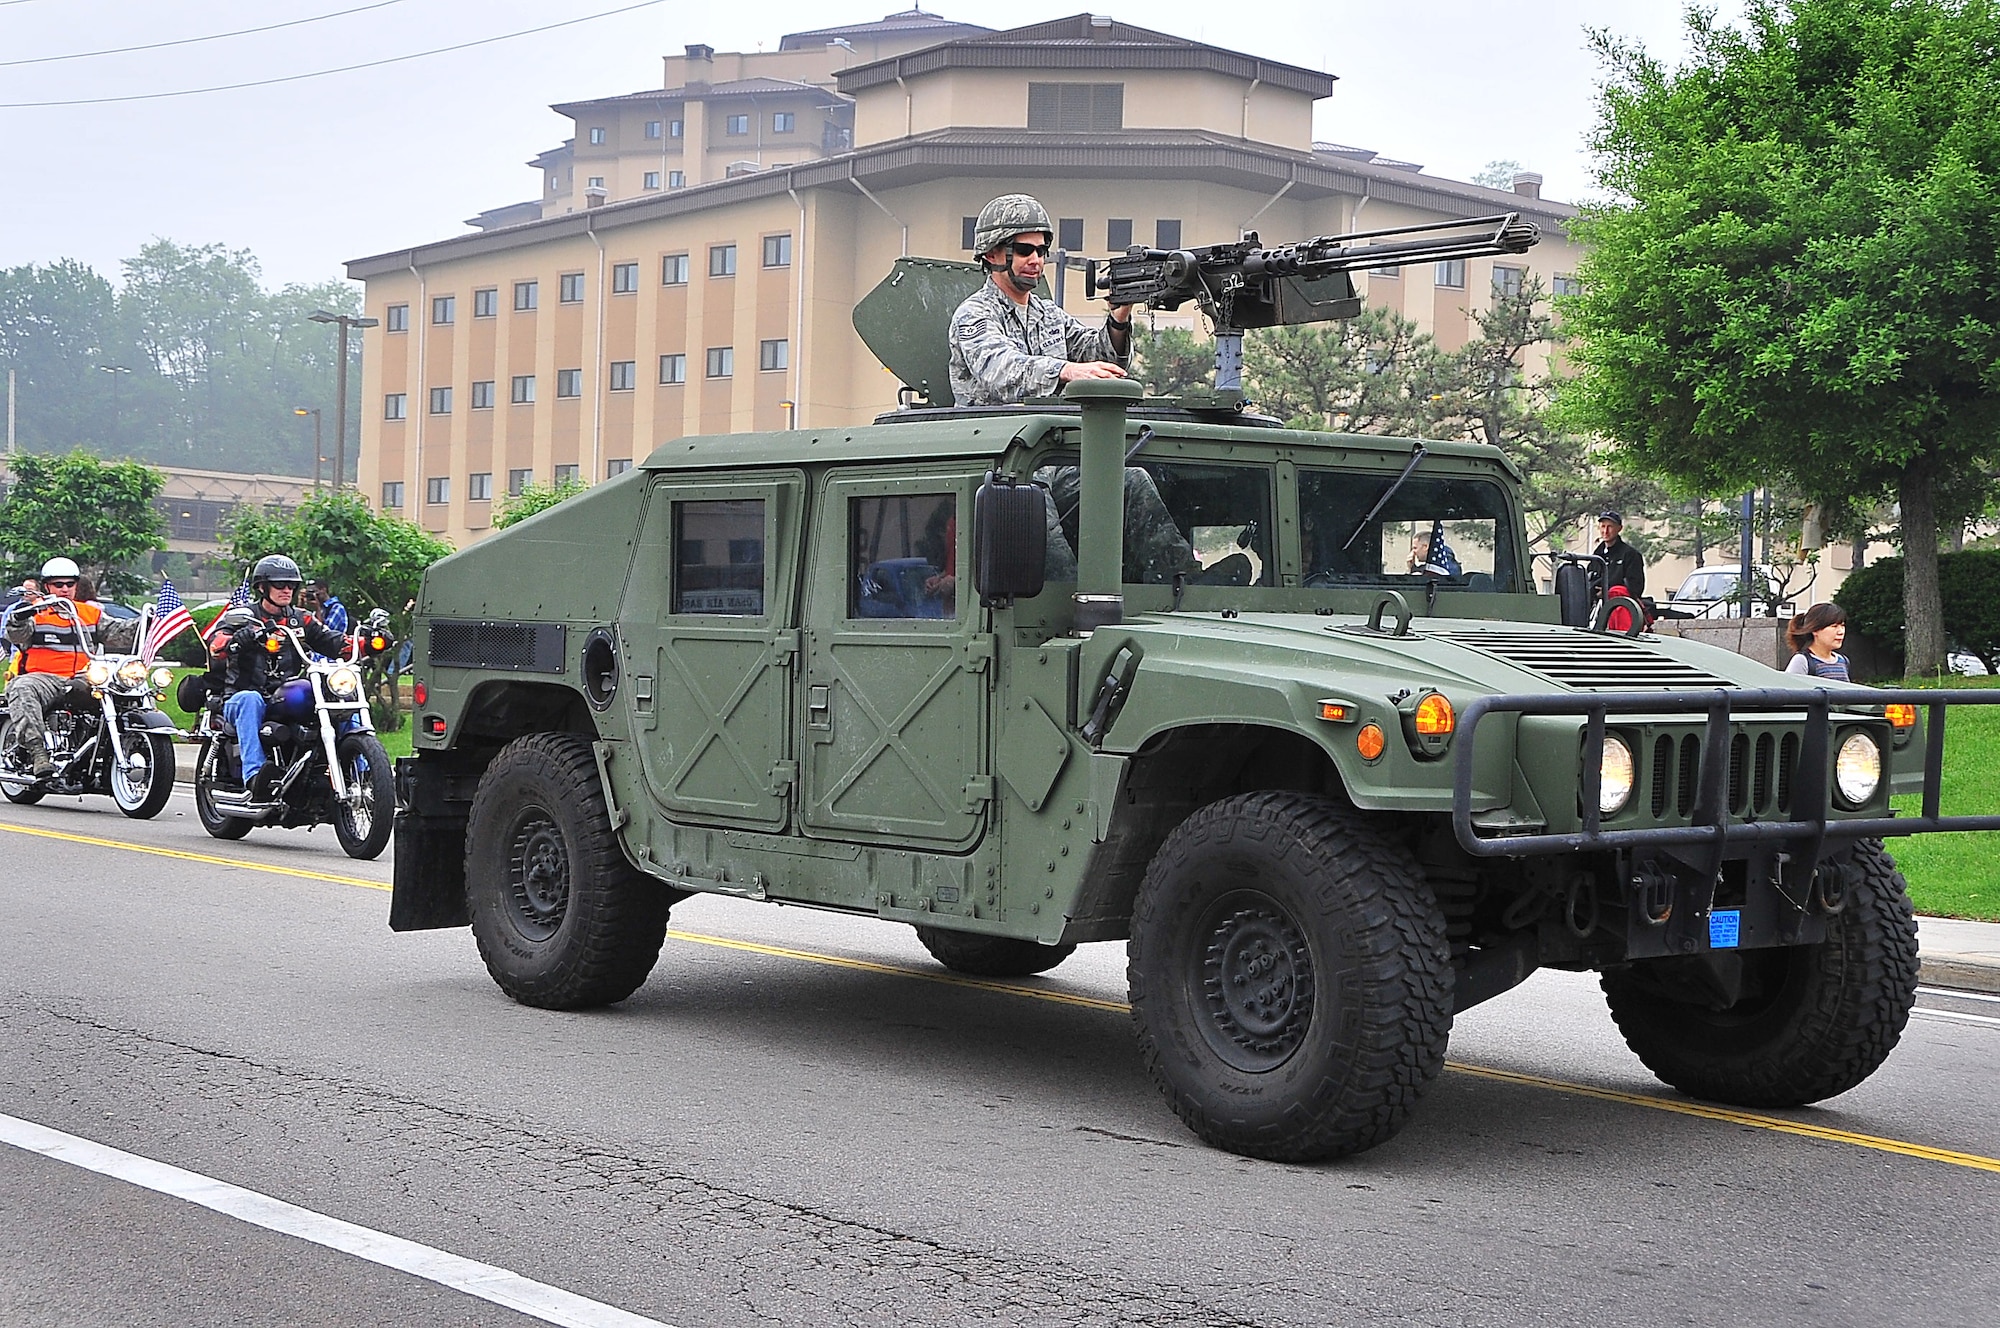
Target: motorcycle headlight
[(1615, 775), (98, 672), (132, 673), (344, 682), (162, 678), (1857, 768)]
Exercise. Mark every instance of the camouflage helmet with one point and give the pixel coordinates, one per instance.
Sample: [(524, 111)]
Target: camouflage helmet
[(1007, 216)]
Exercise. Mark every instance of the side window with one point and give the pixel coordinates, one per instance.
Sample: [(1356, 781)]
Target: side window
[(1210, 524), (903, 549), (719, 557)]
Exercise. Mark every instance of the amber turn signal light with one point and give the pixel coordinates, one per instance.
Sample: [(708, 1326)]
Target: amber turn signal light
[(377, 643), (1336, 712), (1434, 717), (1370, 742), (1900, 716), (272, 645)]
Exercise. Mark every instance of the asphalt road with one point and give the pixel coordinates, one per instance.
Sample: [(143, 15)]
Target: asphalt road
[(801, 1120)]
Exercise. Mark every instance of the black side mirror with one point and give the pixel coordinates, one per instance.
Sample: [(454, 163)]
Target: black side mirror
[(1010, 540), (1573, 593)]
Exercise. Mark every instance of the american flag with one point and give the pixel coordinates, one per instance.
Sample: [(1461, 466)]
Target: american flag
[(170, 619), (243, 597)]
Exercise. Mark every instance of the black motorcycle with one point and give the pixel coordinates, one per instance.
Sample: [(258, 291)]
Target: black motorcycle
[(322, 773), (106, 735)]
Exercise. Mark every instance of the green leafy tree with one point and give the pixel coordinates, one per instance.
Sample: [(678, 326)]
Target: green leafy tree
[(1374, 373), (1497, 174), (531, 499), (372, 561), (1170, 360), (99, 513), (1803, 279), (1873, 597)]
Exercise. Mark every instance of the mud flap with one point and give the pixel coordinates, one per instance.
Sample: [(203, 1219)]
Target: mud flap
[(429, 870)]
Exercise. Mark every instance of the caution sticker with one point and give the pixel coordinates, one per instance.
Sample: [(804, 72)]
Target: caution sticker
[(1725, 927)]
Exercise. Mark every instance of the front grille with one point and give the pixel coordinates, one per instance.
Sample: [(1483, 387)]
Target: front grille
[(1588, 660), (1761, 771), (515, 646)]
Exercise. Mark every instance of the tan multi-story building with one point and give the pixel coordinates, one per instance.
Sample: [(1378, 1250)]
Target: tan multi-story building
[(576, 344)]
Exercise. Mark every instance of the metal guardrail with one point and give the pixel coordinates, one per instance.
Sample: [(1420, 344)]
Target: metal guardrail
[(1710, 825)]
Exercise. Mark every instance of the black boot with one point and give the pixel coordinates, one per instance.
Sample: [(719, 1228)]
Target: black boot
[(263, 783)]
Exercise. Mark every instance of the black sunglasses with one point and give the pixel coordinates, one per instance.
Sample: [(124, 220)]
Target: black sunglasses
[(53, 582), (1030, 250)]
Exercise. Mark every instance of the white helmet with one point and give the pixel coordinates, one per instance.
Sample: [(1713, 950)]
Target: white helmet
[(60, 567)]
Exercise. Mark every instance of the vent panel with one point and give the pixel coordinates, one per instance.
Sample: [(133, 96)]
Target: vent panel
[(1588, 661), (514, 646)]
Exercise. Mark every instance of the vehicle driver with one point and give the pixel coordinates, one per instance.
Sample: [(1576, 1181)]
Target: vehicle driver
[(260, 657), (58, 641)]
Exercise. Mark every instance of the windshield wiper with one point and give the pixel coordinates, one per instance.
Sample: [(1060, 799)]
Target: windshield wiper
[(1416, 456)]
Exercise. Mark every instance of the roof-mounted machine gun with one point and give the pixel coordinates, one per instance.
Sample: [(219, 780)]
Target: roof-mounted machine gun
[(1245, 285)]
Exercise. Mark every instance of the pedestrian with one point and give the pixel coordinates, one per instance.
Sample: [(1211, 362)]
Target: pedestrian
[(1817, 636), (1623, 564)]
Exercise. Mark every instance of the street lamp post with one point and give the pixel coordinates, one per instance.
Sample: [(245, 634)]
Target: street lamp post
[(118, 374), (318, 454), (343, 322)]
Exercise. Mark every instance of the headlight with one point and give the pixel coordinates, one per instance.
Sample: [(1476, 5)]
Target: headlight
[(132, 673), (344, 681), (99, 673), (1857, 768), (1614, 776), (162, 677)]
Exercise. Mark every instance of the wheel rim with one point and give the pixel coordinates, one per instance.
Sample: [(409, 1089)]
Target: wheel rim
[(130, 791), (361, 792), (538, 874), (1256, 979)]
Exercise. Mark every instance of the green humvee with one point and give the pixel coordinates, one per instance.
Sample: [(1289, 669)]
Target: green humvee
[(1282, 710)]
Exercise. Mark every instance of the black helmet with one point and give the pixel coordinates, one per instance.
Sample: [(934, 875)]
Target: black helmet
[(275, 570)]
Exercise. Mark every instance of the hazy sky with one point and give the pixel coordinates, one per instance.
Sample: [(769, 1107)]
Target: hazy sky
[(307, 174)]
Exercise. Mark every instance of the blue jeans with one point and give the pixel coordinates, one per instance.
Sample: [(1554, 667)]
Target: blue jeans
[(245, 713)]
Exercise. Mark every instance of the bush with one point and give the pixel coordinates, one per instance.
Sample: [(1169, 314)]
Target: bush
[(1969, 582)]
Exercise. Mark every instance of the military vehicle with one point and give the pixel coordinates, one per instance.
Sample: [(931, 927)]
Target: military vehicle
[(1283, 710)]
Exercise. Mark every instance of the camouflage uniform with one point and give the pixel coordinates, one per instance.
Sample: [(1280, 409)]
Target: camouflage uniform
[(1154, 549), (1002, 353)]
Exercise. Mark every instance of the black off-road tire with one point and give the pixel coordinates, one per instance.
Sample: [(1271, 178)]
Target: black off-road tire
[(159, 778), (213, 821), (991, 956), (1824, 1017), (365, 832), (563, 921), (1291, 981), (27, 797)]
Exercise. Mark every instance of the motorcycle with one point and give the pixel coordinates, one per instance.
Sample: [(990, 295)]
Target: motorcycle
[(106, 734), (324, 774)]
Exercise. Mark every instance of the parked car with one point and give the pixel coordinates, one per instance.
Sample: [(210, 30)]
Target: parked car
[(1713, 592)]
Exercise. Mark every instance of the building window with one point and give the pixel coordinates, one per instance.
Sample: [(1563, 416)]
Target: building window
[(517, 480), (396, 406), (524, 390), (652, 180), (653, 128), (596, 136), (486, 303), (772, 354), (479, 487), (482, 395), (1167, 233), (673, 129), (1076, 107), (617, 466), (569, 383), (440, 401), (594, 182), (777, 251), (673, 369), (736, 126), (396, 318), (783, 122), (676, 179), (1451, 273), (1507, 281), (624, 375), (392, 494), (567, 475), (674, 270), (437, 489), (968, 227), (1118, 234), (444, 309), (1069, 234), (721, 361), (527, 295), (1391, 272), (1565, 283), (570, 289), (722, 260), (624, 278)]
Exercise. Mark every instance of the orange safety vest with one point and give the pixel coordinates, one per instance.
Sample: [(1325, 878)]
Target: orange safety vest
[(54, 644)]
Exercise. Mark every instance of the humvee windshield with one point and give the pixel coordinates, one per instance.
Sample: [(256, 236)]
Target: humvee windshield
[(1450, 530)]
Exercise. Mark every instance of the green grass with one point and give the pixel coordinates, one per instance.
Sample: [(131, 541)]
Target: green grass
[(396, 743), (1958, 875)]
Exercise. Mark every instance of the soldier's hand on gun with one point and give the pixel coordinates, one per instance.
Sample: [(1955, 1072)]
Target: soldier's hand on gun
[(1089, 369)]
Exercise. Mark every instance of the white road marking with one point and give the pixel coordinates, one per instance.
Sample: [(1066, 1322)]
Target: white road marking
[(501, 1287), (1952, 993), (1955, 1017)]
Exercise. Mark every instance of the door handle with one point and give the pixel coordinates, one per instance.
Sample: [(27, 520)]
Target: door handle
[(819, 707)]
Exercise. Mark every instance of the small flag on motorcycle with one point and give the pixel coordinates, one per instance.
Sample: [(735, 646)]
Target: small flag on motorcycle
[(242, 597), (170, 619)]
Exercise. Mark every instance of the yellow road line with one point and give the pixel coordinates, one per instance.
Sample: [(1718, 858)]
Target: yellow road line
[(1703, 1111), (185, 856)]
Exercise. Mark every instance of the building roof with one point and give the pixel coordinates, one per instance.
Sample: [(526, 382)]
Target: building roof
[(1083, 41), (1132, 154), (507, 214), (893, 25), (741, 87)]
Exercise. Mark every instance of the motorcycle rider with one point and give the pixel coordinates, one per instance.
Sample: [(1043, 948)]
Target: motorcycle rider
[(260, 656), (59, 641)]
